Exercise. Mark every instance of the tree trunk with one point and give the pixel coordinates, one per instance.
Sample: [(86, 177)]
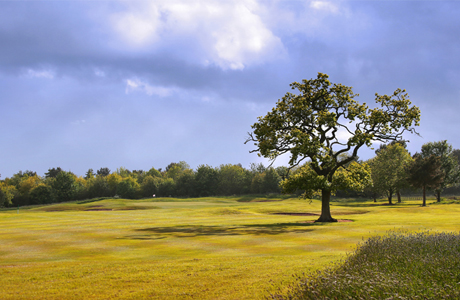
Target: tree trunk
[(325, 207), (399, 196), (438, 196), (424, 196), (390, 197)]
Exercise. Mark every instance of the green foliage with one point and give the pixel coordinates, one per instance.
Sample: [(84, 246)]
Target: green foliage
[(355, 177), (123, 172), (63, 186), (99, 187), (449, 164), (186, 184), (89, 174), (207, 180), (52, 173), (425, 173), (128, 188), (154, 172), (389, 169), (307, 125), (233, 180), (150, 186), (167, 188), (103, 172), (398, 265), (7, 193), (41, 194)]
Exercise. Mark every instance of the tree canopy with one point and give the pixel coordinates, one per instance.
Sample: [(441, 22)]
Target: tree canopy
[(308, 126), (425, 172), (449, 164), (389, 169)]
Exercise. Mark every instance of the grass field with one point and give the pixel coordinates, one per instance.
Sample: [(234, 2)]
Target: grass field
[(205, 248)]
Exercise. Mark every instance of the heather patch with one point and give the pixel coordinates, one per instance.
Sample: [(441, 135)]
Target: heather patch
[(398, 265)]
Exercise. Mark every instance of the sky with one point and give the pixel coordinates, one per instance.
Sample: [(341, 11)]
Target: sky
[(141, 84)]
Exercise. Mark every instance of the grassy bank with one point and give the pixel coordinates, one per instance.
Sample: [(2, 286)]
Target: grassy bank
[(399, 265), (208, 248)]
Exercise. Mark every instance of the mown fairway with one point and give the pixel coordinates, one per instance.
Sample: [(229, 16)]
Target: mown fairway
[(209, 248)]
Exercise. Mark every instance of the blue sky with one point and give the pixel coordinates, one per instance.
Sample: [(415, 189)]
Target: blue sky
[(141, 84)]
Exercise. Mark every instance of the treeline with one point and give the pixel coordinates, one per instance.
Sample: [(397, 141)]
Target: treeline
[(177, 180), (393, 171)]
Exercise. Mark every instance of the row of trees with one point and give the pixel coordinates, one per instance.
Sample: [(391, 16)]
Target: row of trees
[(393, 169), (178, 179)]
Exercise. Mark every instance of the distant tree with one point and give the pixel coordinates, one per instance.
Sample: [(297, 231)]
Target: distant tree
[(182, 165), (41, 194), (449, 164), (99, 187), (52, 173), (113, 180), (128, 188), (266, 182), (234, 180), (186, 184), (27, 184), (402, 143), (283, 172), (64, 186), (103, 172), (81, 188), (207, 180), (154, 172), (257, 168), (308, 126), (138, 175), (167, 187), (150, 186), (20, 176), (89, 174), (425, 173), (389, 170), (257, 183), (173, 172), (271, 182), (123, 172), (371, 189), (7, 193)]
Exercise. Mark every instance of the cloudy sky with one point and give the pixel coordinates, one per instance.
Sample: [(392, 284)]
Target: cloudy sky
[(141, 84)]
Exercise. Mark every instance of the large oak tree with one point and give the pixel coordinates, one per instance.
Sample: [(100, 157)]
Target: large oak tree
[(308, 126)]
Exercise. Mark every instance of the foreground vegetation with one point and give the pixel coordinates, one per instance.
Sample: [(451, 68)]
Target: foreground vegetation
[(399, 265), (203, 248)]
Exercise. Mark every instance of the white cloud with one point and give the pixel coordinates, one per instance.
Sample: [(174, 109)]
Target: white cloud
[(39, 74), (324, 6), (136, 84), (229, 34), (138, 27)]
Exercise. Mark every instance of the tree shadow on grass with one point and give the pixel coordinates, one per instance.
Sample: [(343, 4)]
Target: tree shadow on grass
[(360, 204), (253, 229)]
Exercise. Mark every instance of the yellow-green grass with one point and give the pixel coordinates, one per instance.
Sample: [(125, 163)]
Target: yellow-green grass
[(205, 248)]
